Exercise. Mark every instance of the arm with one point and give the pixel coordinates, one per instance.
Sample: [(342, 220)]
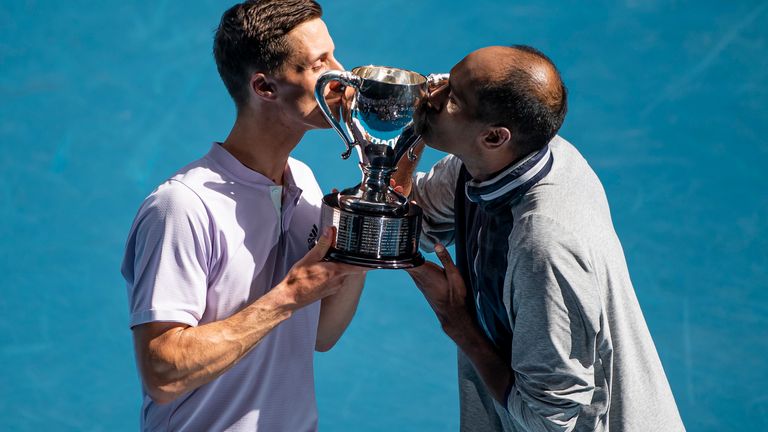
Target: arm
[(337, 310), (494, 371), (403, 176), (446, 293), (434, 193), (556, 310), (175, 358)]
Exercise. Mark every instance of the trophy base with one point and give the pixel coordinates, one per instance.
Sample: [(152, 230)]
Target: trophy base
[(373, 240), (406, 263)]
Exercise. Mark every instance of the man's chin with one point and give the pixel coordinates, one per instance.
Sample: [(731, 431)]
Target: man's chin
[(432, 142), (427, 137), (317, 119)]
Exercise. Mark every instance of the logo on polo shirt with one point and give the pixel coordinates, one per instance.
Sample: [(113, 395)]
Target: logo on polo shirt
[(312, 237)]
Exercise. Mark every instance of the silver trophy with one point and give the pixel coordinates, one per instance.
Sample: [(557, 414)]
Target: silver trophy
[(375, 225)]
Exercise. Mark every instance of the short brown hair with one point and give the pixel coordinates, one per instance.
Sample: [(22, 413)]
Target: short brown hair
[(251, 37)]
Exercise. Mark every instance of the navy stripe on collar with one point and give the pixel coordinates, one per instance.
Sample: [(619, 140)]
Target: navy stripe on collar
[(513, 180)]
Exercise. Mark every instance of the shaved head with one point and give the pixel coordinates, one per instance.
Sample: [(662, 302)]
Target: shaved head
[(517, 87)]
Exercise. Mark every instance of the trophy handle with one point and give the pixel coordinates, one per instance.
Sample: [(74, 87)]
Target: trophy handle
[(411, 155), (346, 78), (406, 143)]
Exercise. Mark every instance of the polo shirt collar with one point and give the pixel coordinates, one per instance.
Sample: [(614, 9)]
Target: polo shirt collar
[(511, 182), (244, 174)]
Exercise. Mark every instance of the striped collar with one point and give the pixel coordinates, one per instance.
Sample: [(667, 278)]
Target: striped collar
[(512, 181)]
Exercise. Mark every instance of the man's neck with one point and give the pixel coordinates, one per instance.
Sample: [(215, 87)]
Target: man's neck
[(263, 144), (484, 166)]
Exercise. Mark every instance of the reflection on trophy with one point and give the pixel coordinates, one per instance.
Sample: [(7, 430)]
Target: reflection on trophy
[(375, 226)]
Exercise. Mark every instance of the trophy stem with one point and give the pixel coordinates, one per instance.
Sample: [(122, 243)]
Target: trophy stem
[(376, 179), (374, 194)]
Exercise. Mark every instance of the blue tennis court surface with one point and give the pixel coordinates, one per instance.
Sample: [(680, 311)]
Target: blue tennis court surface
[(101, 101)]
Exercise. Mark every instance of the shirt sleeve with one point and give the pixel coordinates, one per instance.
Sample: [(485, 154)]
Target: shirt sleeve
[(166, 259), (434, 193), (555, 311)]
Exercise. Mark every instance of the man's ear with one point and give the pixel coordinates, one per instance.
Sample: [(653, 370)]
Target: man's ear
[(263, 87), (496, 137)]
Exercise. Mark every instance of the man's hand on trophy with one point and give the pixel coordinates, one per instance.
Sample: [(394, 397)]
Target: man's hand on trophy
[(402, 178), (312, 278), (435, 81), (401, 189), (445, 292)]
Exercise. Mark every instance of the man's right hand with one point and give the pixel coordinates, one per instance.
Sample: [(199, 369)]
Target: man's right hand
[(311, 278)]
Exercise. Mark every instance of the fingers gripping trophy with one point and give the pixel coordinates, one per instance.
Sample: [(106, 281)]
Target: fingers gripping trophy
[(375, 225)]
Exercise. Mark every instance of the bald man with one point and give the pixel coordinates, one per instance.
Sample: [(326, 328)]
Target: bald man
[(539, 302)]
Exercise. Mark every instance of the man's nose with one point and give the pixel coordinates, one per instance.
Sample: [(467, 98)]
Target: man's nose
[(335, 64), (335, 86)]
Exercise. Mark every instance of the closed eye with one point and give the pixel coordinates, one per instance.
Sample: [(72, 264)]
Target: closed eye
[(321, 64)]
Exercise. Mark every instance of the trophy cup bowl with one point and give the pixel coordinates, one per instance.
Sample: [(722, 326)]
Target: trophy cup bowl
[(376, 226)]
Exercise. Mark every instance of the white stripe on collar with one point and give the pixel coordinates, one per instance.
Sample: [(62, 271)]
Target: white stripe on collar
[(520, 180)]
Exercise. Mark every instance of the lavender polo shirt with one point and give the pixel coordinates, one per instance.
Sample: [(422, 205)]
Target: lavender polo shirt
[(213, 238)]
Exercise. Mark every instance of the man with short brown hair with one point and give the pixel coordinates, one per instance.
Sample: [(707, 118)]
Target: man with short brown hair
[(227, 304)]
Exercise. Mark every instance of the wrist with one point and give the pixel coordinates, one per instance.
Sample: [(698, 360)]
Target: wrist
[(280, 299), (468, 337)]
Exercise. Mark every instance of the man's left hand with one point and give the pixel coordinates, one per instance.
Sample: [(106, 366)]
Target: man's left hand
[(446, 293)]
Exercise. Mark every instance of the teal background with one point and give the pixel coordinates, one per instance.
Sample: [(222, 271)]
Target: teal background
[(101, 101)]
